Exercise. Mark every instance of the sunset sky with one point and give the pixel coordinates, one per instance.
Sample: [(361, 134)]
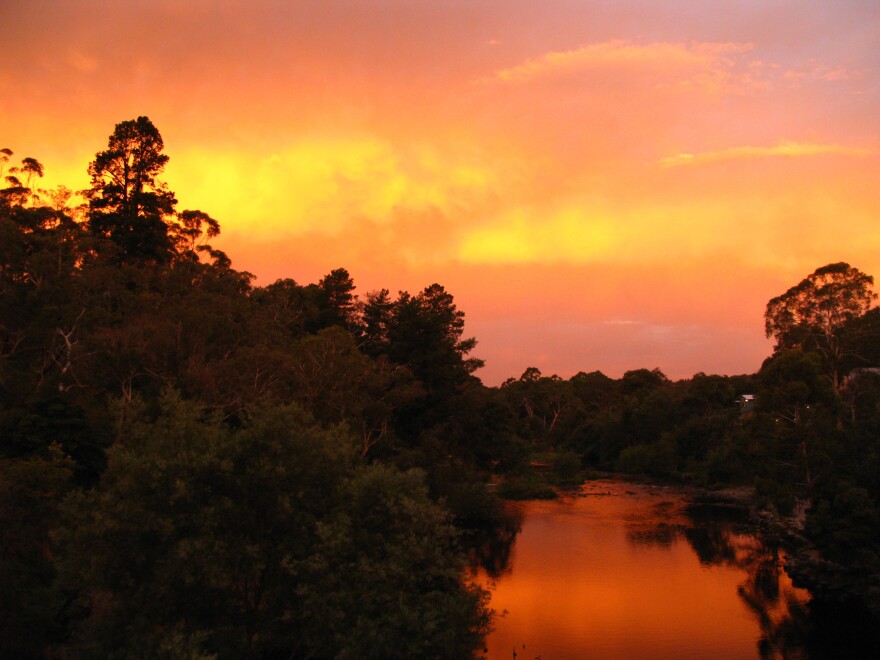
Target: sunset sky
[(601, 185)]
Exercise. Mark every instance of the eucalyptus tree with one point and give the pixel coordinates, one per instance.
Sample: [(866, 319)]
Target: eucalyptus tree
[(815, 314), (19, 178)]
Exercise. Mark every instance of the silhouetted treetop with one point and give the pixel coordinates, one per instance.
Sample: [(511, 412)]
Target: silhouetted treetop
[(813, 314), (127, 204)]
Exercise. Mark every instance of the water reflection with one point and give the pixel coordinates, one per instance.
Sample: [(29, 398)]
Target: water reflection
[(626, 571), (718, 536), (489, 551)]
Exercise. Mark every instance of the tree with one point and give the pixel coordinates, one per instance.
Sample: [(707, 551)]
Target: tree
[(377, 318), (39, 310), (641, 382), (270, 541), (30, 490), (542, 401), (189, 234), (425, 334), (31, 167), (813, 314), (793, 430), (284, 309), (19, 178), (384, 582), (338, 305), (338, 383), (5, 154), (126, 202)]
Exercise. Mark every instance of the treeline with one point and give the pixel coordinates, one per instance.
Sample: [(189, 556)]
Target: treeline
[(195, 466), (804, 430)]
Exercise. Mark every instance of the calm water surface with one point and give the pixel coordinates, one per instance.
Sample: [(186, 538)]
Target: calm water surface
[(620, 570)]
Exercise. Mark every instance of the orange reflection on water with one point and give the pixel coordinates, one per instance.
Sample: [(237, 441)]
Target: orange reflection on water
[(621, 571)]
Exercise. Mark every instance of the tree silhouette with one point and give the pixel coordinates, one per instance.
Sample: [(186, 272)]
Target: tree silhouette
[(126, 202), (813, 314)]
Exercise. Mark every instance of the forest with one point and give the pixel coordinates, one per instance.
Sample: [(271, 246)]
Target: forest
[(194, 466)]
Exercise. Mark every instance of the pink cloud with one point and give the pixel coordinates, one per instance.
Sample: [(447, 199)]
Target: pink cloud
[(659, 56), (783, 149)]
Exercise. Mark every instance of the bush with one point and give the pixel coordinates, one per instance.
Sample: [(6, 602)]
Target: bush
[(268, 541), (567, 468), (528, 487), (656, 459)]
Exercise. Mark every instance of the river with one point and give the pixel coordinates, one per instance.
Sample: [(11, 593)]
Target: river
[(622, 570)]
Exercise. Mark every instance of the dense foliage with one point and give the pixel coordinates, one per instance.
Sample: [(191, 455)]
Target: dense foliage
[(195, 466), (192, 466)]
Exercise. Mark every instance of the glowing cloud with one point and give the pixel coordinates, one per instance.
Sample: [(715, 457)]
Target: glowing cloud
[(784, 149), (754, 225), (323, 185), (822, 72), (569, 235), (623, 54)]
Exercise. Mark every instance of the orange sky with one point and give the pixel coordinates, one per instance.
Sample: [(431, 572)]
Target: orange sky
[(600, 185)]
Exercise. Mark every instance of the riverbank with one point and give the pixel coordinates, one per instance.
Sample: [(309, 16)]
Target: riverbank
[(804, 563), (825, 579)]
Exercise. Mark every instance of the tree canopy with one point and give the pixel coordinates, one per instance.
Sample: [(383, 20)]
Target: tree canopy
[(261, 542), (814, 314), (127, 203)]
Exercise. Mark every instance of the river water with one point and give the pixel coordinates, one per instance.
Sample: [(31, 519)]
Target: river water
[(621, 570)]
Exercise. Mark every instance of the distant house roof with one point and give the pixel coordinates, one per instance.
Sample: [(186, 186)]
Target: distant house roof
[(855, 373), (852, 378), (746, 404)]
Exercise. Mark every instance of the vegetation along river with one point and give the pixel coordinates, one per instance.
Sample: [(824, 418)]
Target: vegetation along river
[(622, 570)]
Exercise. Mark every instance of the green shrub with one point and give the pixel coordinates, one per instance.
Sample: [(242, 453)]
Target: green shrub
[(529, 487)]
